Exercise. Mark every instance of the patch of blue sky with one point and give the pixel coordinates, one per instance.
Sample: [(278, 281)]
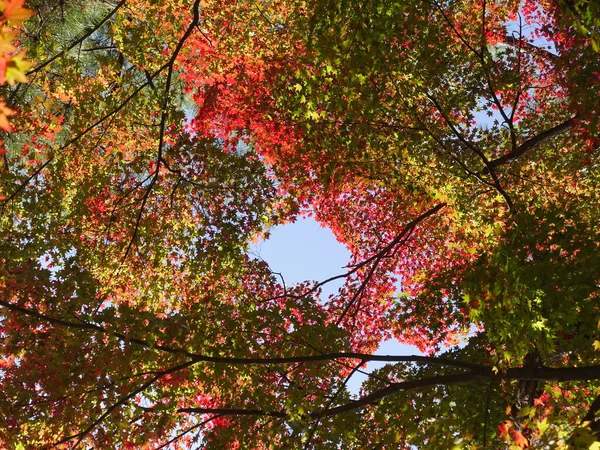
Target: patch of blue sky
[(302, 251)]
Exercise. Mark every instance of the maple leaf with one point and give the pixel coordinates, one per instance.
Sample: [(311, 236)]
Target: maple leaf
[(6, 37), (520, 440), (4, 113), (14, 12), (367, 125), (14, 68)]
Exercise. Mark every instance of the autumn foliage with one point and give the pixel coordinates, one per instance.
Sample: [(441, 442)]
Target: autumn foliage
[(450, 145)]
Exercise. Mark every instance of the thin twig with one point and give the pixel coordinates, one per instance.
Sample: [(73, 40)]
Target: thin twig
[(77, 41)]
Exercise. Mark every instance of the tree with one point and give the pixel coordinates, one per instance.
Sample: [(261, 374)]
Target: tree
[(443, 142)]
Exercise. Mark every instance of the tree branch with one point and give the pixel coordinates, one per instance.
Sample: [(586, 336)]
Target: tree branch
[(79, 136), (475, 149), (524, 44), (163, 119), (531, 143), (541, 374), (195, 357), (399, 240), (77, 41), (82, 434)]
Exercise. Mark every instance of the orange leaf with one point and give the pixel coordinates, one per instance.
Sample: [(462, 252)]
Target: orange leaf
[(519, 439), (4, 113), (15, 13), (3, 62)]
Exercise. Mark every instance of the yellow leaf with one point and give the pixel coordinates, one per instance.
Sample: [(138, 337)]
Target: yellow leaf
[(16, 68), (543, 425), (6, 37)]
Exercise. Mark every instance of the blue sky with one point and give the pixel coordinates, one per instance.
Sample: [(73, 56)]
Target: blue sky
[(304, 250)]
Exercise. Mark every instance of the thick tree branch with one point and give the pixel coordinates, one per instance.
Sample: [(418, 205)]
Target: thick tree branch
[(540, 374), (229, 411), (195, 357), (593, 418), (531, 143), (475, 149), (524, 44), (376, 396), (523, 373)]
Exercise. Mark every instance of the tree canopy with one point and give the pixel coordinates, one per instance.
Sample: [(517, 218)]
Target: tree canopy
[(450, 145)]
